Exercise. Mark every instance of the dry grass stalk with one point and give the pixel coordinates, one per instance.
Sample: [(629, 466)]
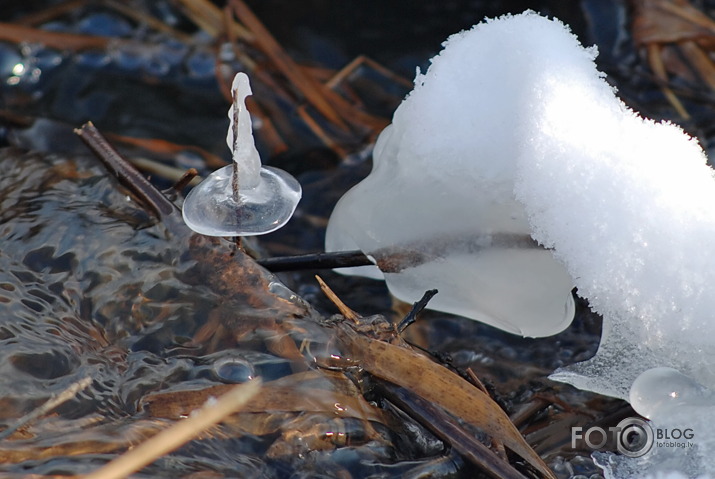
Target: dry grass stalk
[(178, 434), (162, 170), (439, 386), (14, 33), (49, 13), (667, 26), (166, 148), (143, 17), (656, 64), (342, 307), (287, 394), (210, 19), (337, 116), (359, 61), (312, 90), (319, 131)]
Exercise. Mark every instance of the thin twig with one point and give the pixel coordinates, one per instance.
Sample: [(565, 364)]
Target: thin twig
[(48, 406), (448, 430), (188, 178), (342, 307), (403, 256), (417, 308), (313, 91), (337, 259), (124, 171)]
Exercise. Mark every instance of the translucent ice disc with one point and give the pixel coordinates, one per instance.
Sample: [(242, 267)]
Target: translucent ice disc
[(210, 209)]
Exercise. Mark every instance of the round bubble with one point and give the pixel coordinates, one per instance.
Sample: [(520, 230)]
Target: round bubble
[(128, 58), (234, 370), (104, 24), (657, 391), (201, 64), (47, 58), (93, 59), (172, 52)]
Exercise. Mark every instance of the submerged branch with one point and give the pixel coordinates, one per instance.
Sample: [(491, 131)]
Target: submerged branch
[(448, 430), (125, 171), (48, 406), (397, 258)]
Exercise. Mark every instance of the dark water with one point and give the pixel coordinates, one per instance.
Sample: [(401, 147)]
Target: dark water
[(92, 285)]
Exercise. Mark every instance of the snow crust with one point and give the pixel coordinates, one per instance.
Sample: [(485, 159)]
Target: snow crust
[(513, 131)]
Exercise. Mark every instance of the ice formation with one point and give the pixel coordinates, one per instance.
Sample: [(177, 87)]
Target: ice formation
[(438, 207), (266, 197), (514, 112), (661, 392), (626, 204)]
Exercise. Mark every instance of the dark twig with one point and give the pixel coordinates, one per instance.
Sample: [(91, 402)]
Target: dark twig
[(125, 171), (338, 259), (185, 179), (416, 309), (393, 259), (448, 430)]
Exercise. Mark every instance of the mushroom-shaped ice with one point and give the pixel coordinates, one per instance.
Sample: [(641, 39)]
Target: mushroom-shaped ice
[(244, 198), (438, 209)]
